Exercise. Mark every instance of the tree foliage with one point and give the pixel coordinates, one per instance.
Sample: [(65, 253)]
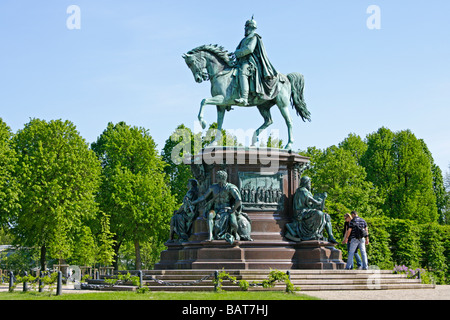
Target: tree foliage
[(387, 173), (9, 190), (177, 150), (51, 185), (439, 189), (58, 176), (335, 170), (391, 179), (181, 144), (133, 190), (400, 167)]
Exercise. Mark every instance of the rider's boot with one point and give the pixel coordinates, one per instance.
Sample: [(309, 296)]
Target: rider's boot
[(243, 100)]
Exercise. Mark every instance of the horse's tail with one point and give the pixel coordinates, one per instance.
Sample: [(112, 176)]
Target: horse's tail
[(298, 103)]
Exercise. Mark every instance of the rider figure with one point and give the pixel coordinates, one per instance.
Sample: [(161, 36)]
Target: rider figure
[(252, 61)]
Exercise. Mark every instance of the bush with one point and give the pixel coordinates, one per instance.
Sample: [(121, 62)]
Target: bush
[(433, 258), (445, 232), (378, 250), (405, 242), (36, 283), (274, 276)]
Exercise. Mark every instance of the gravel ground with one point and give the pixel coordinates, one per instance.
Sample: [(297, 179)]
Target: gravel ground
[(439, 293)]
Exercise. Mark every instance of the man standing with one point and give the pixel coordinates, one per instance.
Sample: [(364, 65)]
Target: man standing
[(252, 61), (358, 236), (348, 218)]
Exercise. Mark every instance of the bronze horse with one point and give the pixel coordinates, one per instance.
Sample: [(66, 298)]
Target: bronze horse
[(213, 63)]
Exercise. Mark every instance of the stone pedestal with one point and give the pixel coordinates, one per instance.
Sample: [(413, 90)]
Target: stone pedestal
[(267, 179)]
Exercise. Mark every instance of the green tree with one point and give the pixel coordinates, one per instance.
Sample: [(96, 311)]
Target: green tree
[(445, 217), (432, 244), (95, 243), (378, 161), (355, 145), (335, 170), (227, 139), (105, 241), (379, 251), (84, 251), (442, 197), (179, 146), (445, 234), (177, 150), (272, 142), (9, 191), (58, 176), (397, 164), (134, 192), (405, 242)]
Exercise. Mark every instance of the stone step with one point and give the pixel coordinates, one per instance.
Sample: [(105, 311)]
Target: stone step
[(293, 277), (305, 280), (211, 288), (370, 282), (261, 272), (303, 288)]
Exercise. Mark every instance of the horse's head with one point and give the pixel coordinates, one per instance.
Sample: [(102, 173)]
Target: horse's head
[(197, 64), (212, 57)]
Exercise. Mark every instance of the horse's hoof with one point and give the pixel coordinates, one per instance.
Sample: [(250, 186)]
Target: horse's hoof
[(203, 124)]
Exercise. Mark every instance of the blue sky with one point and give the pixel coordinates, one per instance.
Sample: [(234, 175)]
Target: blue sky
[(125, 64)]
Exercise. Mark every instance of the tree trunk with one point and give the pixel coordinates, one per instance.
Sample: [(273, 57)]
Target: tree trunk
[(137, 249), (42, 259), (116, 256)]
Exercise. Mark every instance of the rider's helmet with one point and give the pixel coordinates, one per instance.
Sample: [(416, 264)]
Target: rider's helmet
[(251, 23)]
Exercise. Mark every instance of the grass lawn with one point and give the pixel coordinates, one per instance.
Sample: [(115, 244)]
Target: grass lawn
[(105, 295), (171, 305)]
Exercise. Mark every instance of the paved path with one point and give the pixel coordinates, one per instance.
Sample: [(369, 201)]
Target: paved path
[(439, 293)]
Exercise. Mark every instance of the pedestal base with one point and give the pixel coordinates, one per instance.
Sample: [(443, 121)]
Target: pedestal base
[(267, 180), (283, 255)]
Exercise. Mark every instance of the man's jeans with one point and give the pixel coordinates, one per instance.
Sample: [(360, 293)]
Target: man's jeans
[(356, 244), (357, 257)]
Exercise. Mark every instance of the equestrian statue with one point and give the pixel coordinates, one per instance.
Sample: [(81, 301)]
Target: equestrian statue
[(246, 78)]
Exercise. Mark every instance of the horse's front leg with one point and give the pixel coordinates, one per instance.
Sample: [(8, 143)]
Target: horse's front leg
[(220, 116), (200, 114), (216, 100), (264, 110)]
